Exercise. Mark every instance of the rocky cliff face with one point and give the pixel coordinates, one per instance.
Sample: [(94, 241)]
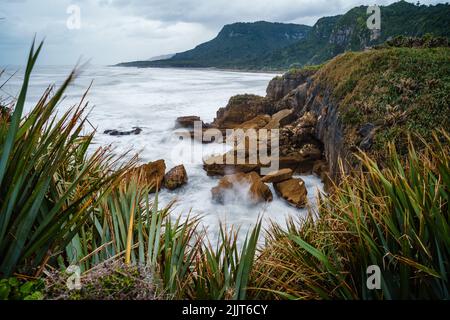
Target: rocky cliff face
[(328, 128), (279, 87), (318, 118)]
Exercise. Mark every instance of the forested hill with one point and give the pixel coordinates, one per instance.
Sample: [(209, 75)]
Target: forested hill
[(277, 46), (236, 45)]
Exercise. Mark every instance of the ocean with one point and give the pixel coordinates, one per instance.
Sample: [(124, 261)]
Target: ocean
[(123, 98)]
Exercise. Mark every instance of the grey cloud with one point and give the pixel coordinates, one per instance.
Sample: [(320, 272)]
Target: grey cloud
[(121, 30)]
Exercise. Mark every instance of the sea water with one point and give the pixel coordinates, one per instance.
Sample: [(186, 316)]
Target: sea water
[(123, 98)]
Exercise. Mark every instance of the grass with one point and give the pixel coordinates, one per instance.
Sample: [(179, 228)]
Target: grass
[(48, 184), (396, 217)]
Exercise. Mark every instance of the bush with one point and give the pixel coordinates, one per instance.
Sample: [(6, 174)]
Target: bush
[(18, 289)]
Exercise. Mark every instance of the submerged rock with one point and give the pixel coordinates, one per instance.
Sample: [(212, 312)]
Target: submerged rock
[(175, 177), (232, 184), (186, 121), (293, 190), (114, 132)]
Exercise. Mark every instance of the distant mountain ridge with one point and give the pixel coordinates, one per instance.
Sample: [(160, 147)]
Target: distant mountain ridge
[(236, 45), (277, 46), (331, 36)]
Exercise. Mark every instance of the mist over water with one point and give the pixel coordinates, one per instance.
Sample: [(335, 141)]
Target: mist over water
[(123, 98)]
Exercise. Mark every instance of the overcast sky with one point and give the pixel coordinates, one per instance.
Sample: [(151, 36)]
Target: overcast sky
[(113, 31)]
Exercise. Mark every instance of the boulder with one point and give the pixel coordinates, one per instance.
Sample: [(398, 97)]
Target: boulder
[(366, 129), (218, 166), (175, 177), (232, 184), (241, 108), (113, 132), (278, 176), (367, 132), (293, 191), (186, 121), (152, 173)]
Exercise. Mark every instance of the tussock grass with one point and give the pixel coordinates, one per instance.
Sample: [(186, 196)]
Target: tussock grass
[(49, 185), (396, 217), (398, 90)]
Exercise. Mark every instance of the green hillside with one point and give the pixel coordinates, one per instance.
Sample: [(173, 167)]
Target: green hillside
[(277, 46), (235, 46), (331, 36)]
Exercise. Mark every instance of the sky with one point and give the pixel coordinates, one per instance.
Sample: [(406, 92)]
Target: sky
[(111, 31)]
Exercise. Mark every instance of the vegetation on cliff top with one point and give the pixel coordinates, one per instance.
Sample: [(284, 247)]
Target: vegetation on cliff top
[(395, 90)]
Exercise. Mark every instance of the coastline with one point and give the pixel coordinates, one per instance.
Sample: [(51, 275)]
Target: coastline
[(276, 72)]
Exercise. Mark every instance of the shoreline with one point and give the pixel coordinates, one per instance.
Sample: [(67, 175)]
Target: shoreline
[(204, 68)]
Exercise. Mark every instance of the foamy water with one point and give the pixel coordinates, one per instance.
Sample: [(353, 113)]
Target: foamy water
[(152, 99)]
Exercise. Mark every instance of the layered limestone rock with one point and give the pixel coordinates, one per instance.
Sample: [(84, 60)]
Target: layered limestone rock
[(279, 87), (278, 176), (241, 108), (187, 121), (293, 191)]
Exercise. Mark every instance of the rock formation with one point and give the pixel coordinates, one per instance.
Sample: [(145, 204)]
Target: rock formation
[(293, 191), (186, 121), (175, 177), (152, 173), (114, 132)]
